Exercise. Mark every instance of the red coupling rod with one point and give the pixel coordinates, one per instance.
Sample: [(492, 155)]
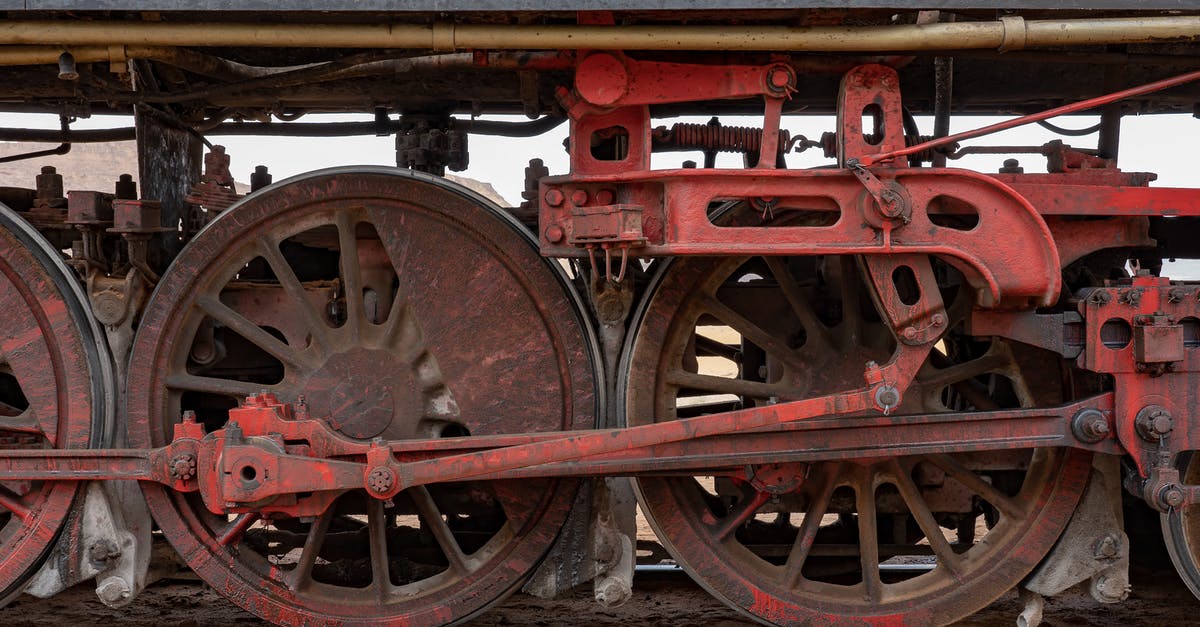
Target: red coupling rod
[(1083, 105)]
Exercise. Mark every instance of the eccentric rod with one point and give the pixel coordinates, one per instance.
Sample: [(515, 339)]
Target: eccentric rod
[(1007, 33)]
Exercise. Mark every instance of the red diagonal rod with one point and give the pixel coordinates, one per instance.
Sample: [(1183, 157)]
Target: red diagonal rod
[(1082, 105), (575, 447)]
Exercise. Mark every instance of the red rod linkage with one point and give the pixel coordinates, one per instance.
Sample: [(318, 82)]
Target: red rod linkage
[(1083, 105)]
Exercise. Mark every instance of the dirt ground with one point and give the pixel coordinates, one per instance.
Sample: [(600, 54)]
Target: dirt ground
[(659, 601)]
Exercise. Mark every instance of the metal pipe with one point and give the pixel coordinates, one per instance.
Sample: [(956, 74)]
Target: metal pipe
[(943, 72), (1008, 33), (287, 129)]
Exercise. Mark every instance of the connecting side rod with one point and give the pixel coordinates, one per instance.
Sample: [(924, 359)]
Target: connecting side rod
[(1075, 107), (823, 438)]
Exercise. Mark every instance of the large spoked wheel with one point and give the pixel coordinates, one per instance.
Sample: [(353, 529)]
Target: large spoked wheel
[(56, 390), (1181, 529), (911, 540), (398, 305)]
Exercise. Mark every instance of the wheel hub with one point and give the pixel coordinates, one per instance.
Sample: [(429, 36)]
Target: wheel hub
[(365, 393)]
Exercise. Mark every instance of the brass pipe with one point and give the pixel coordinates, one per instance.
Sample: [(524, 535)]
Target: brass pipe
[(1008, 33)]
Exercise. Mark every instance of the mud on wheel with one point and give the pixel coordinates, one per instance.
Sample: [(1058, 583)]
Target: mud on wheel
[(396, 305), (915, 540)]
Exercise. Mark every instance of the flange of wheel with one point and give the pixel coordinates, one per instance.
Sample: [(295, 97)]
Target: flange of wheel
[(1181, 528), (395, 305), (912, 540), (56, 389)]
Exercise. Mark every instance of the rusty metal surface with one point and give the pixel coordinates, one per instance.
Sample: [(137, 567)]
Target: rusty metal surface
[(56, 377), (460, 330), (768, 549)]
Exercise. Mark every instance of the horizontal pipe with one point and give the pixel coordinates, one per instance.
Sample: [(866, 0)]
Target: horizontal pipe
[(285, 129), (1008, 33)]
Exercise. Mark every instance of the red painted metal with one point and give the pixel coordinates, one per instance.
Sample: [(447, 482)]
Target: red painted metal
[(49, 401), (675, 220)]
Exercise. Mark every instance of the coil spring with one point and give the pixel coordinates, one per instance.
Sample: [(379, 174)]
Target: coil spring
[(829, 144), (715, 137)]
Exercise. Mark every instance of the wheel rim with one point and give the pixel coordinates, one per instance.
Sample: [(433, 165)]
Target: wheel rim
[(1181, 529), (750, 545), (461, 329), (55, 390)]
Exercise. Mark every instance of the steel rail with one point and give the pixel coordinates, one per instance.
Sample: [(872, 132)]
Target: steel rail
[(1007, 33)]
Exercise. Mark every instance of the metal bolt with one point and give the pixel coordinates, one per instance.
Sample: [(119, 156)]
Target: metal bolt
[(937, 320), (887, 397), (554, 197), (554, 234), (909, 333), (688, 165), (102, 552), (183, 467), (1109, 588), (1131, 297), (1012, 166), (189, 416), (1100, 297), (380, 480), (114, 591), (1108, 546), (1170, 496), (780, 78), (1153, 422), (604, 197), (579, 197), (1090, 425)]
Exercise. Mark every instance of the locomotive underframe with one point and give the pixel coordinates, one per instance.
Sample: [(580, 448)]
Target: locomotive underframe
[(1009, 236)]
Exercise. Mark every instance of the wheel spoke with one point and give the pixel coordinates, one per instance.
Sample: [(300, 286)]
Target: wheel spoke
[(976, 484), (730, 523), (290, 283), (813, 327), (256, 335), (428, 510), (706, 346), (925, 520), (753, 332), (724, 385), (868, 541), (851, 326), (807, 533), (381, 581), (301, 575), (351, 273), (987, 363), (13, 503), (212, 385), (23, 422), (235, 529)]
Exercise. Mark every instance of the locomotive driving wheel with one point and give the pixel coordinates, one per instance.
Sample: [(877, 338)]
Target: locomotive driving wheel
[(1181, 528), (910, 540), (56, 389), (395, 305)]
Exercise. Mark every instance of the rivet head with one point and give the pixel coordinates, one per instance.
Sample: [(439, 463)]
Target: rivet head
[(554, 197)]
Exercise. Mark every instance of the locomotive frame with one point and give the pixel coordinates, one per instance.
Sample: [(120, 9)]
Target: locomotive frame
[(364, 395)]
